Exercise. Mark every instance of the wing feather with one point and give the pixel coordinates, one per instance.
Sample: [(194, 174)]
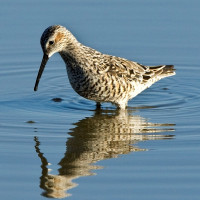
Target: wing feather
[(130, 70)]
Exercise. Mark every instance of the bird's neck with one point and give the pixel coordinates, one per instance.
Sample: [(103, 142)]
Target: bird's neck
[(74, 52)]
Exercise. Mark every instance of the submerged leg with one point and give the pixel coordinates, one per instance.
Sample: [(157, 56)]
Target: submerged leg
[(98, 105)]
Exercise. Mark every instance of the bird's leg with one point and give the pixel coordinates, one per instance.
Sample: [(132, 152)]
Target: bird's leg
[(98, 105)]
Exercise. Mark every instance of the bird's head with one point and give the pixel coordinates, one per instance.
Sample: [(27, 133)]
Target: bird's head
[(54, 39)]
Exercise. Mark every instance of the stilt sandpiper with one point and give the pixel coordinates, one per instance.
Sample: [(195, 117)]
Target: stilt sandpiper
[(96, 76)]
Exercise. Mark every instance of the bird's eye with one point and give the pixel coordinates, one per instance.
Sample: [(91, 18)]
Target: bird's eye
[(51, 42)]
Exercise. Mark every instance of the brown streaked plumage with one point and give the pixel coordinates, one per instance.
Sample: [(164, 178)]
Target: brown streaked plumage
[(96, 76)]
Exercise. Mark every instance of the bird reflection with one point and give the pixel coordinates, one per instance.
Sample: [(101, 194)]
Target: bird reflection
[(107, 134)]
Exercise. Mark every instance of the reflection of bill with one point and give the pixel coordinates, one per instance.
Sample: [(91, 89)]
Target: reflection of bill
[(102, 136)]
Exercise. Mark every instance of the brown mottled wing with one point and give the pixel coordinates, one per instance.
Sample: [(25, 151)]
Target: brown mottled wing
[(130, 70), (134, 71)]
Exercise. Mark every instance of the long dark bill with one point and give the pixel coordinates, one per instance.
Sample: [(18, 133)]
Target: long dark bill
[(42, 66)]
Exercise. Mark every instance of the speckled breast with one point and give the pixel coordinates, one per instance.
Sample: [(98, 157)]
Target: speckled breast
[(99, 87)]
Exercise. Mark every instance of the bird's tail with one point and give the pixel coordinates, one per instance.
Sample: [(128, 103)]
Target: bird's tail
[(163, 70)]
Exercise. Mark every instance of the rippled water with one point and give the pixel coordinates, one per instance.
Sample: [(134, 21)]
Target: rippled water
[(55, 144)]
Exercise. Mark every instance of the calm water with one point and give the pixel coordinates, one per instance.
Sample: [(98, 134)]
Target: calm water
[(67, 149)]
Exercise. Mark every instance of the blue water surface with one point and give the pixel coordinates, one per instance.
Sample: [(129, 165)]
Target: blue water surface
[(66, 149)]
